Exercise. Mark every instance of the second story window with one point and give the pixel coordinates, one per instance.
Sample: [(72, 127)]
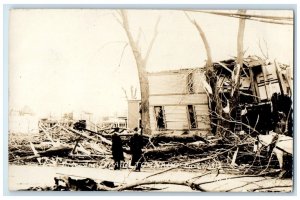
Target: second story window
[(190, 84)]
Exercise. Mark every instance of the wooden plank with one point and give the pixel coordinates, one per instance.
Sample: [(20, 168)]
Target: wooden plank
[(175, 110), (176, 120), (179, 99), (176, 114), (201, 108), (177, 125), (175, 117)]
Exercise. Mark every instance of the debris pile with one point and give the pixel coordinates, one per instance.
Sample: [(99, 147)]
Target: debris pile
[(251, 99), (62, 145)]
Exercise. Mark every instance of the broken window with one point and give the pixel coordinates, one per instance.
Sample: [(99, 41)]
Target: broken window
[(159, 116), (192, 116), (190, 83)]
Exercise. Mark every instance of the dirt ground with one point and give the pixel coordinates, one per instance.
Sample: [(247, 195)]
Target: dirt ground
[(25, 176)]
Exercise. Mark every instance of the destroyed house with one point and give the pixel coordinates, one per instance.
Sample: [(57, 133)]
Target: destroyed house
[(264, 96), (178, 102)]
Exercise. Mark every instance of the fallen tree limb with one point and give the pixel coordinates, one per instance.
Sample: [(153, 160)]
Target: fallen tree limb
[(202, 175), (149, 182), (271, 187), (244, 185), (234, 177), (191, 163)]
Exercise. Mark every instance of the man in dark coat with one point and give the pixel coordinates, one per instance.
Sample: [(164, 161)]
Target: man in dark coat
[(136, 145), (117, 149)]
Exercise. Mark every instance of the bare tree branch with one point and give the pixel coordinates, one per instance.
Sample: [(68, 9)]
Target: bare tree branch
[(191, 163), (117, 19), (264, 53), (125, 93), (152, 42), (203, 37), (149, 182)]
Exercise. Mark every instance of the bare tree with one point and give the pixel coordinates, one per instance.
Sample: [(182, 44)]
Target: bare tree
[(141, 62)]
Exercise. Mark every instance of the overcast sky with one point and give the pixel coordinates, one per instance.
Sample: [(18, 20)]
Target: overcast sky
[(78, 60)]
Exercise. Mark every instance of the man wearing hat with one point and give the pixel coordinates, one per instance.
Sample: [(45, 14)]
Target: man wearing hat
[(117, 149)]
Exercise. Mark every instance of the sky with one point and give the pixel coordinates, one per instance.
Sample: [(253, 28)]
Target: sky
[(79, 60)]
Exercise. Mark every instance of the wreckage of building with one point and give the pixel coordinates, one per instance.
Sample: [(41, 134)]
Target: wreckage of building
[(178, 102), (264, 101)]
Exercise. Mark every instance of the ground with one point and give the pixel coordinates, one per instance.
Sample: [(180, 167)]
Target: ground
[(26, 176)]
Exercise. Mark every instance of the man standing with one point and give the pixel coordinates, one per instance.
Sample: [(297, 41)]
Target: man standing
[(117, 149), (136, 145)]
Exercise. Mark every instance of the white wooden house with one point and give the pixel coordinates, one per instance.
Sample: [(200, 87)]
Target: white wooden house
[(178, 101)]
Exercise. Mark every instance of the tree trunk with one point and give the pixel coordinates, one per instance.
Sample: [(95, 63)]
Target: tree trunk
[(240, 39), (145, 115), (236, 78), (141, 66)]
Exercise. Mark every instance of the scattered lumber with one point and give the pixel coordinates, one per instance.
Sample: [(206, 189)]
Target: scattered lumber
[(81, 146)]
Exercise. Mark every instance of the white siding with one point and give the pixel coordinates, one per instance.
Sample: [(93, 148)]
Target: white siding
[(190, 99), (167, 84), (174, 83), (176, 117)]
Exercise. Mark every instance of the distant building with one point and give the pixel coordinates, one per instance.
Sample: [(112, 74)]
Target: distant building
[(112, 122), (23, 121), (133, 115)]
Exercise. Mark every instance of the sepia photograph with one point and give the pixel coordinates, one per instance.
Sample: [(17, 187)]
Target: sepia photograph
[(151, 100)]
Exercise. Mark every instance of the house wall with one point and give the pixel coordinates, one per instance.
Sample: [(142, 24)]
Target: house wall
[(174, 82), (170, 90)]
